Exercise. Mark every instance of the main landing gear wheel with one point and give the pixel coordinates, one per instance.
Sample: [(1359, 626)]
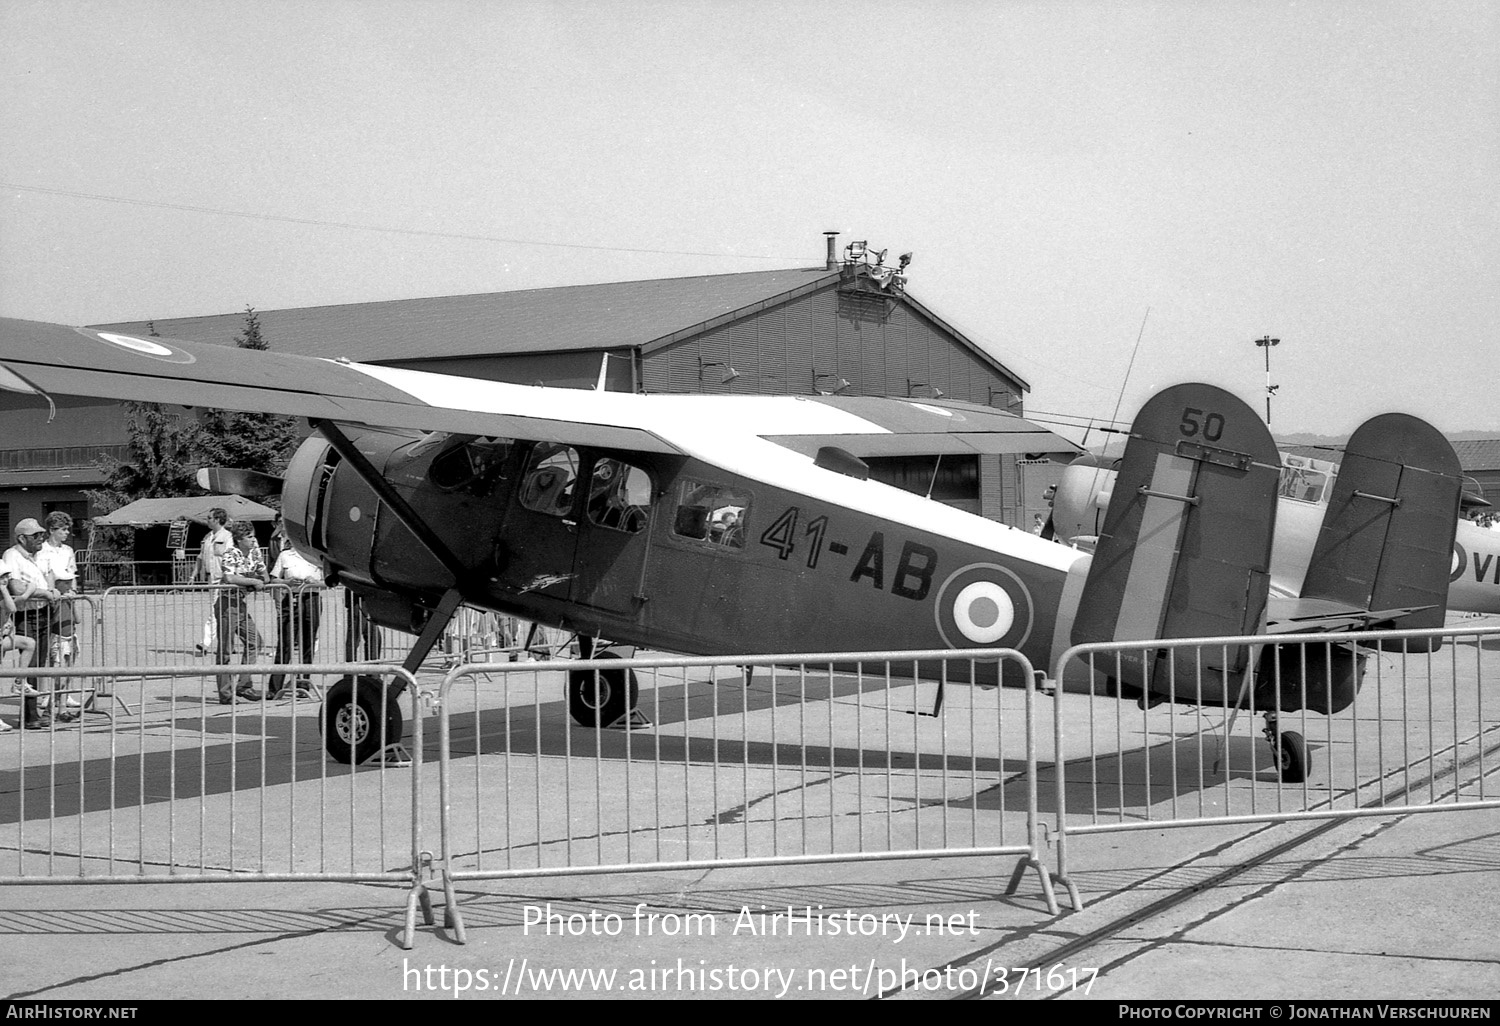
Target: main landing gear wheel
[(1289, 749), (602, 698), (351, 719)]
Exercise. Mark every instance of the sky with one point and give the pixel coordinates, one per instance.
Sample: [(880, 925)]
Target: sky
[(1071, 177)]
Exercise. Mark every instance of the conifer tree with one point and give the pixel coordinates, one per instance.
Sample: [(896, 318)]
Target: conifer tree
[(246, 441)]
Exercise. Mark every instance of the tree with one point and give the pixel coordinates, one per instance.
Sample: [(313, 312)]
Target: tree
[(246, 441)]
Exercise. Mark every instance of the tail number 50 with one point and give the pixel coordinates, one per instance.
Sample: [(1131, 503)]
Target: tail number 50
[(1196, 422)]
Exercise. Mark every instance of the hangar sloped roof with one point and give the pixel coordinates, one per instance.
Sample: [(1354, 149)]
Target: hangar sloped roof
[(1478, 453), (616, 315), (569, 317)]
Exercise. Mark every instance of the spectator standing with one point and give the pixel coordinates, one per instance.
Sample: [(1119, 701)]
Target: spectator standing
[(299, 611), (60, 564), (22, 645), (33, 594), (216, 543), (242, 572), (359, 629)]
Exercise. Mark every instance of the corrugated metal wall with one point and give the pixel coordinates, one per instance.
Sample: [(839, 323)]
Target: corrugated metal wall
[(876, 342)]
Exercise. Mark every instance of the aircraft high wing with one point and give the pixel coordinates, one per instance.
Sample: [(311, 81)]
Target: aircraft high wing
[(711, 524)]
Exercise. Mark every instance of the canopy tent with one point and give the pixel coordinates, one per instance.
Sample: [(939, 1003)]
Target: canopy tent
[(150, 512)]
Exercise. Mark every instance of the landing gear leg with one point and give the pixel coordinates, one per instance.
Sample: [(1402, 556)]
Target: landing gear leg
[(1289, 751)]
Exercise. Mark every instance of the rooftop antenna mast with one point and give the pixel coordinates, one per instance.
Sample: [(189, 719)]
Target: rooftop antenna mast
[(1115, 417), (1266, 342)]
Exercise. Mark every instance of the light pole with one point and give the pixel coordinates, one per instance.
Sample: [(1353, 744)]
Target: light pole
[(1266, 343)]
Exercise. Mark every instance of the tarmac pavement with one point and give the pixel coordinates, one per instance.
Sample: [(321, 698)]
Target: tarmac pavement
[(1388, 907), (1371, 909)]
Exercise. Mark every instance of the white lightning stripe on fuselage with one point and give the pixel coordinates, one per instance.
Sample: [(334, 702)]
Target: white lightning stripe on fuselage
[(725, 431)]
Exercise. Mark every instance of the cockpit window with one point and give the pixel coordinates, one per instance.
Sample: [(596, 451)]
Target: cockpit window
[(1303, 481), (551, 474), (712, 514), (619, 496), (475, 464)]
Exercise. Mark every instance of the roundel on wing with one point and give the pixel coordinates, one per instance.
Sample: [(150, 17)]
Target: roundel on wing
[(983, 605), (151, 347), (1460, 561)]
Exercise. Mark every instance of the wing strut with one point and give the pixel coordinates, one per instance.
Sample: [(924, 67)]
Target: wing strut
[(409, 517), (413, 522)]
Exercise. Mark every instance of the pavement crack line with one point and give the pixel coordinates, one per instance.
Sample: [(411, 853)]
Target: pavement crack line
[(1176, 936), (1172, 899), (1363, 954)]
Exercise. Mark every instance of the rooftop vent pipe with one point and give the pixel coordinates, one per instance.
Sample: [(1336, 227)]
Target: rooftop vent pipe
[(833, 257)]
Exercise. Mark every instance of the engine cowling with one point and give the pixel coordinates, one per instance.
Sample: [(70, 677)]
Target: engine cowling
[(332, 512)]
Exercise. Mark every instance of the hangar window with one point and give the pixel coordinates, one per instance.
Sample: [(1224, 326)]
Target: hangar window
[(619, 496), (712, 514), (551, 474)]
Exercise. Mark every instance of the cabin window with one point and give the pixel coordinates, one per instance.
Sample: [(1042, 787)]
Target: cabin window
[(551, 474), (1303, 483), (619, 496), (712, 514)]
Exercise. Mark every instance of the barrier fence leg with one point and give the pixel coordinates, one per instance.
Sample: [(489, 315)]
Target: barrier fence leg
[(419, 895), (1046, 877), (452, 918)]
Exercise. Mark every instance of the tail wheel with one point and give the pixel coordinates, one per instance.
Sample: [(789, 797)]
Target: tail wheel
[(598, 698), (351, 715), (1291, 757)]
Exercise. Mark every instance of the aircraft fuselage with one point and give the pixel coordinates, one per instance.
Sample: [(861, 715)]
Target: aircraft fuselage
[(670, 552)]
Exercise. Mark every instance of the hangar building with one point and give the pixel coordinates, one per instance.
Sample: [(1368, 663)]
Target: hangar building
[(850, 327)]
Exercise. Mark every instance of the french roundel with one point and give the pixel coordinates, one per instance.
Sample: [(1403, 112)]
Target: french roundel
[(983, 605), (1460, 562), (146, 347)]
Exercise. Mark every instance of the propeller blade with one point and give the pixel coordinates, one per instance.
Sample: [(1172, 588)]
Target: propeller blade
[(252, 484)]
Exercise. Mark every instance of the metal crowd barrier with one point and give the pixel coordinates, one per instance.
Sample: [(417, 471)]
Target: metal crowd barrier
[(733, 761), (194, 791), (1416, 737), (170, 625), (730, 761)]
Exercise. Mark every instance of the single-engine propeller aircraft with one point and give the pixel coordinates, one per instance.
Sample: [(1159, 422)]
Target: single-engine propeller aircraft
[(742, 525)]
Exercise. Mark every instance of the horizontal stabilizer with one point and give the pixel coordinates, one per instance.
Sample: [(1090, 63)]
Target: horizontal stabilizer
[(1316, 615), (1186, 546), (1387, 537)]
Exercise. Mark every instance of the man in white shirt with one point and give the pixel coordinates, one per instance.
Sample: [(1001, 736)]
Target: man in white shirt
[(33, 593), (216, 543), (299, 612)]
